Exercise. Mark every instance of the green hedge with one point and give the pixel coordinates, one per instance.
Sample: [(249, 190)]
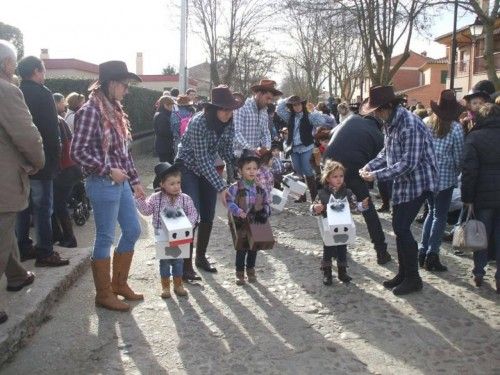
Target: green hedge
[(139, 103)]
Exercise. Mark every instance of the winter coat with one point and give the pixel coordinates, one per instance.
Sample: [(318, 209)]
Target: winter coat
[(164, 137), (481, 166), (43, 110)]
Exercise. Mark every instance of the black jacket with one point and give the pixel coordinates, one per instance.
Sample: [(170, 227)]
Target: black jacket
[(481, 167), (164, 137), (305, 130), (43, 110), (355, 142)]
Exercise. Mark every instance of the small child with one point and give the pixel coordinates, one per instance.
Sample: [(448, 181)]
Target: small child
[(265, 176), (247, 200), (332, 179), (277, 166), (168, 178)]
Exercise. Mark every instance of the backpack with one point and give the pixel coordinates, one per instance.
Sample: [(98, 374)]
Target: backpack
[(183, 123)]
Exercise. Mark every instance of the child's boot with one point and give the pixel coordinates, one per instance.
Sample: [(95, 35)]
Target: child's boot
[(240, 278), (252, 278), (165, 286), (179, 288), (342, 274), (326, 267)]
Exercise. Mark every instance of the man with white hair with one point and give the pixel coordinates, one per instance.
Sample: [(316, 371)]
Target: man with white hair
[(22, 154)]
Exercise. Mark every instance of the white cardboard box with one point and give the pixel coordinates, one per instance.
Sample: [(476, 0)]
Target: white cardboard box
[(340, 222), (278, 199), (293, 187), (174, 237)]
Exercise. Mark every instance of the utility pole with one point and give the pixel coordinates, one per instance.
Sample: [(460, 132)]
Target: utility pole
[(183, 71), (454, 48)]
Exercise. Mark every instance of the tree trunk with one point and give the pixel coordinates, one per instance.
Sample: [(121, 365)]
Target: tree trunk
[(489, 58)]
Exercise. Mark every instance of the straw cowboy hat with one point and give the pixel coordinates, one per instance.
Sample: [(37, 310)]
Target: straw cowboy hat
[(114, 71), (266, 85), (379, 96), (447, 108), (223, 98)]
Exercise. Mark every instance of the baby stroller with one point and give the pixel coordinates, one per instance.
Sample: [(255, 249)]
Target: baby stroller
[(80, 204)]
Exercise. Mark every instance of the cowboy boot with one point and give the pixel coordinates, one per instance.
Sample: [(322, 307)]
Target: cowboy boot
[(104, 296), (342, 273), (189, 273), (202, 262), (165, 287), (412, 281), (179, 288), (398, 279), (252, 278), (240, 278), (68, 236), (311, 185), (121, 268)]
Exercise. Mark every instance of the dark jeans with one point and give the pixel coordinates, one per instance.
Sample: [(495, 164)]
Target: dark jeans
[(203, 194), (339, 252), (403, 216), (385, 190), (360, 190), (490, 217), (168, 156), (62, 194), (41, 206), (249, 255)]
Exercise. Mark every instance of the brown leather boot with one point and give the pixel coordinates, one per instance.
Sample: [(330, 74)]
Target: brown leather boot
[(121, 267), (165, 286), (252, 278), (240, 278), (102, 280), (179, 288)]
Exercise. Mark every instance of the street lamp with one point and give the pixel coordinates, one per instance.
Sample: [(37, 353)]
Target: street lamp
[(476, 29)]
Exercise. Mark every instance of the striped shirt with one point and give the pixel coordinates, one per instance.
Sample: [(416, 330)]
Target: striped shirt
[(251, 127), (408, 157)]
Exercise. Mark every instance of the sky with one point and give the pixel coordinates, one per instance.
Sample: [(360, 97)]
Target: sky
[(101, 30)]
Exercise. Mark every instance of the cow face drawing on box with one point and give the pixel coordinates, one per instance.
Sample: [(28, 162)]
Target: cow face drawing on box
[(340, 222), (177, 227)]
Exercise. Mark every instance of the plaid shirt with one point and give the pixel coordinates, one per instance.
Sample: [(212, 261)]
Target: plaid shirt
[(408, 157), (200, 146), (251, 127), (153, 205), (250, 196), (86, 147), (266, 179), (277, 166), (449, 153)]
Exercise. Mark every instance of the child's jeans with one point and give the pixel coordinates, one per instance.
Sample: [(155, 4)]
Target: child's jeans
[(250, 256), (339, 252), (176, 264)]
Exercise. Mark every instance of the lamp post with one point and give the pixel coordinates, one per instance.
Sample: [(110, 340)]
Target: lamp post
[(183, 72), (476, 29), (453, 48)]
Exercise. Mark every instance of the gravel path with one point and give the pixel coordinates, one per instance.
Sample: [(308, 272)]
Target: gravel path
[(288, 323)]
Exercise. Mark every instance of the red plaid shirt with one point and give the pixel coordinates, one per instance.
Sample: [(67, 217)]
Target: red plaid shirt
[(87, 150)]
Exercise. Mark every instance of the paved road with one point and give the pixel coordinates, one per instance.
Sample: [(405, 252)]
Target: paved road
[(288, 323)]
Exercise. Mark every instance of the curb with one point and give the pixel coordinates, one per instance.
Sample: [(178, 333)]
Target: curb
[(30, 308)]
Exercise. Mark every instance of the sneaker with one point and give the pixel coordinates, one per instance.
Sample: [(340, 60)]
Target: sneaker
[(53, 260)]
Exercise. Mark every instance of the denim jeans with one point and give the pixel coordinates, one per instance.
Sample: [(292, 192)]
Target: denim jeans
[(435, 223), (339, 252), (302, 163), (249, 255), (402, 217), (203, 194), (112, 203), (491, 220), (41, 206), (176, 264)]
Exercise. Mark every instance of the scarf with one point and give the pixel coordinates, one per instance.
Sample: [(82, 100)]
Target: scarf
[(112, 117)]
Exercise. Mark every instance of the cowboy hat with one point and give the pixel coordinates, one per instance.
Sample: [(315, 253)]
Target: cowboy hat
[(223, 98), (379, 96), (114, 71), (183, 100), (248, 155), (474, 93), (161, 170), (447, 108), (266, 85), (295, 99)]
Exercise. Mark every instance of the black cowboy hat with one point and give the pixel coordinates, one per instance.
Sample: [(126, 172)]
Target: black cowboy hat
[(474, 93), (114, 71), (223, 98), (266, 85), (248, 155), (161, 170), (379, 96), (447, 108)]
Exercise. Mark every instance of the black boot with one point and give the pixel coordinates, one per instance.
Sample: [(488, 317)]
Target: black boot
[(383, 257), (432, 263), (342, 274), (3, 317), (327, 275), (311, 185), (412, 281), (421, 259), (188, 272), (202, 262), (69, 239), (398, 279)]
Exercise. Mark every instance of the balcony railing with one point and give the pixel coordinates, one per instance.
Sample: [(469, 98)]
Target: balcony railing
[(480, 63)]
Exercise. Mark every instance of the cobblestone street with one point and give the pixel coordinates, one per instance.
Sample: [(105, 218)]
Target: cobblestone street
[(287, 323)]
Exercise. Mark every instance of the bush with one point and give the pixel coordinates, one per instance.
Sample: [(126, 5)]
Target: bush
[(139, 103)]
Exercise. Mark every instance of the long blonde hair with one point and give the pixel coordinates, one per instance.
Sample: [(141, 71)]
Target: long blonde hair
[(439, 127), (330, 167)]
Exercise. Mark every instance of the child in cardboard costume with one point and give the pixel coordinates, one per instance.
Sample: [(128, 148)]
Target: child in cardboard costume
[(332, 179), (169, 201), (247, 203)]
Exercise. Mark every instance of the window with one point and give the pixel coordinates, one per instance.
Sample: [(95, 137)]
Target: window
[(444, 76)]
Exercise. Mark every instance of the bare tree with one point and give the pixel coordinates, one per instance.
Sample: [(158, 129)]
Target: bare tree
[(295, 82)]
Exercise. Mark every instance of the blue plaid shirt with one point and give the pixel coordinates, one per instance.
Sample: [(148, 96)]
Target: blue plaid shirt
[(199, 148), (251, 127), (408, 157), (449, 153)]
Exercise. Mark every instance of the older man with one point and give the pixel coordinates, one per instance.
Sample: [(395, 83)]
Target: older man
[(22, 154)]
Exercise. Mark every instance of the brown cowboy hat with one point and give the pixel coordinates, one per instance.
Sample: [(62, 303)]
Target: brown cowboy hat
[(223, 98), (295, 99), (267, 85), (114, 71), (183, 100), (447, 108), (379, 96)]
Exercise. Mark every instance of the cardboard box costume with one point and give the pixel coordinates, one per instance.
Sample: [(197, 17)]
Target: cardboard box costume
[(174, 236)]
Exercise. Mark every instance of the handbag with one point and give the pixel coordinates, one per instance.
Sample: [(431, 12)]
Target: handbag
[(471, 234)]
